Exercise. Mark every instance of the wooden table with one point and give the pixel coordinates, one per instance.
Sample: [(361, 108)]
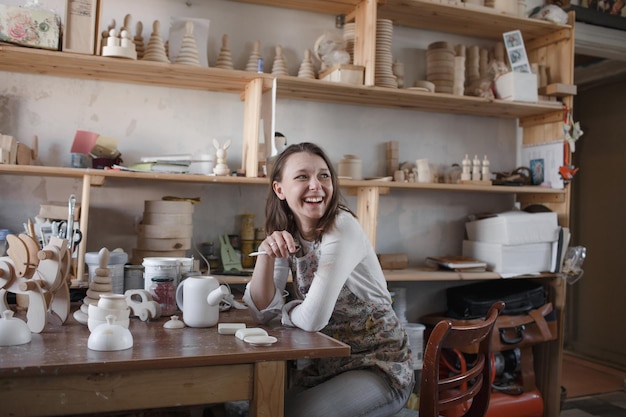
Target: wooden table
[(56, 374)]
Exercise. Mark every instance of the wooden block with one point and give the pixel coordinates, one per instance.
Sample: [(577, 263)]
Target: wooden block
[(9, 144), (58, 211), (5, 156), (165, 231), (350, 74), (393, 260), (24, 155), (165, 218), (165, 206), (559, 90), (163, 244)]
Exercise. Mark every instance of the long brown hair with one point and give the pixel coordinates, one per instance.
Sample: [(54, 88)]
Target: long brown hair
[(278, 215)]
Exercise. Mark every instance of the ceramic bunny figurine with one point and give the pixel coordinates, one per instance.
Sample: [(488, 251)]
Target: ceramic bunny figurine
[(220, 153)]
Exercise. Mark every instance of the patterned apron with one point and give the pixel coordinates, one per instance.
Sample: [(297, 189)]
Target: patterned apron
[(375, 335)]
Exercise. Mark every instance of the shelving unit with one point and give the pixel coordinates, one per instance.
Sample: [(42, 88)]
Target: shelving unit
[(547, 43)]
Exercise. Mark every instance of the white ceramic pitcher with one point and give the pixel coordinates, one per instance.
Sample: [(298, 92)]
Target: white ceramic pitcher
[(199, 298)]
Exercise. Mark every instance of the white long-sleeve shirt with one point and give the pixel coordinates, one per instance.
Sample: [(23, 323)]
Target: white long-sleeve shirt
[(346, 257)]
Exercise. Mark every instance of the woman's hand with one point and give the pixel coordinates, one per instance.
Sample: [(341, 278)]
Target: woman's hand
[(279, 244)]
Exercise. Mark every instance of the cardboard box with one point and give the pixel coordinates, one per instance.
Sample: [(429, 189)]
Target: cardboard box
[(514, 228), (29, 27), (350, 74), (58, 211), (511, 260), (517, 86)]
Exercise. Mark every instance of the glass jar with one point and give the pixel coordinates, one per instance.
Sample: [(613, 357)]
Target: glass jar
[(164, 293)]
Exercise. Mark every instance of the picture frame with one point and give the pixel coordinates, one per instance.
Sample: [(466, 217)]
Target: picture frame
[(80, 34)]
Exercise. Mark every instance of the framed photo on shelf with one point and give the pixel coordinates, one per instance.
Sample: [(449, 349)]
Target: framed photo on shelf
[(82, 18)]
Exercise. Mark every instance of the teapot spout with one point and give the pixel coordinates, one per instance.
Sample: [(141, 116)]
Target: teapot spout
[(217, 295)]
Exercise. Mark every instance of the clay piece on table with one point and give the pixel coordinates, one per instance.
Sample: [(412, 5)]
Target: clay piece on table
[(225, 59), (188, 54), (140, 47), (155, 51), (174, 323), (279, 67), (255, 60), (306, 69)]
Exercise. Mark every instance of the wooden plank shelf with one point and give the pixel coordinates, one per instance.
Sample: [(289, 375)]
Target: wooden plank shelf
[(20, 59), (423, 274), (80, 173), (331, 92), (449, 17), (63, 64)]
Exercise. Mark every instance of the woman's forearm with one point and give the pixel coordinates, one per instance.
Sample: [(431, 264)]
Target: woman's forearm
[(262, 287)]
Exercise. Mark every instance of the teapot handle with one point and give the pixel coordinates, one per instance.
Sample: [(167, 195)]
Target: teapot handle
[(179, 295)]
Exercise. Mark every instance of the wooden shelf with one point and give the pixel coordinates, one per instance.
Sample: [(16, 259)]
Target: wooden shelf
[(63, 64), (20, 59), (326, 91), (99, 175), (435, 15), (417, 274)]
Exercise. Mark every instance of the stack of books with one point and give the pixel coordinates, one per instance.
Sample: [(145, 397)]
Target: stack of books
[(457, 263), (169, 164)]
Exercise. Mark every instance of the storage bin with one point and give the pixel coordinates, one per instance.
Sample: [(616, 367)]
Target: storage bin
[(117, 259), (514, 228)]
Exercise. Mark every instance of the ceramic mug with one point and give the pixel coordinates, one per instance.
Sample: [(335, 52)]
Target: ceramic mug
[(199, 298)]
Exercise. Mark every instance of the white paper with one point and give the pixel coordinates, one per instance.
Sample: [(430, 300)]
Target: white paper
[(552, 155)]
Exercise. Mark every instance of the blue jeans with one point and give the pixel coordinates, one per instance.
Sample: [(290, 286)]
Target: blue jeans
[(358, 393)]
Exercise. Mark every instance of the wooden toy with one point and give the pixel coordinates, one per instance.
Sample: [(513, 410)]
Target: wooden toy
[(100, 284), (138, 40), (121, 46), (279, 67), (224, 59), (39, 274), (188, 54), (155, 51), (306, 69), (220, 152), (255, 62)]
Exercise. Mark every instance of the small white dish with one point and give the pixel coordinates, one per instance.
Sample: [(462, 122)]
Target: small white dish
[(241, 334), (260, 340)]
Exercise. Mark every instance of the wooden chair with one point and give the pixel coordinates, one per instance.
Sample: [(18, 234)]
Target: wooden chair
[(470, 386)]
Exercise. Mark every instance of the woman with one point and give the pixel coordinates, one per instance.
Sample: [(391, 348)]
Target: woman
[(339, 290)]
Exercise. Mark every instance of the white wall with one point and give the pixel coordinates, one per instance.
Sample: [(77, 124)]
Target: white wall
[(155, 120)]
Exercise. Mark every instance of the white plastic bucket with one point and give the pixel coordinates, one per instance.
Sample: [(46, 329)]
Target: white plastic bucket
[(115, 265), (159, 267), (415, 331)]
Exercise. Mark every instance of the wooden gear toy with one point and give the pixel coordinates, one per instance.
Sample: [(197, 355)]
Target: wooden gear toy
[(40, 274)]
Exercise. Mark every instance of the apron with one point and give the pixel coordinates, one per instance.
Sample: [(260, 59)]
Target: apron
[(372, 330)]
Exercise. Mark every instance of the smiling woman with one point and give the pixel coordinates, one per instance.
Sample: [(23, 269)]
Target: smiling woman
[(340, 290)]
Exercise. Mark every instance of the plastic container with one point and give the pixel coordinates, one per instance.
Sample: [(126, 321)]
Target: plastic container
[(133, 277), (415, 331), (163, 292), (115, 265), (3, 241), (159, 267)]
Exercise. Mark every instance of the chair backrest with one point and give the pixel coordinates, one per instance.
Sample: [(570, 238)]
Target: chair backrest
[(471, 385)]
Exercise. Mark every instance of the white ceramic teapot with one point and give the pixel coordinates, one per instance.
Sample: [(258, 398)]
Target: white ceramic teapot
[(199, 299)]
